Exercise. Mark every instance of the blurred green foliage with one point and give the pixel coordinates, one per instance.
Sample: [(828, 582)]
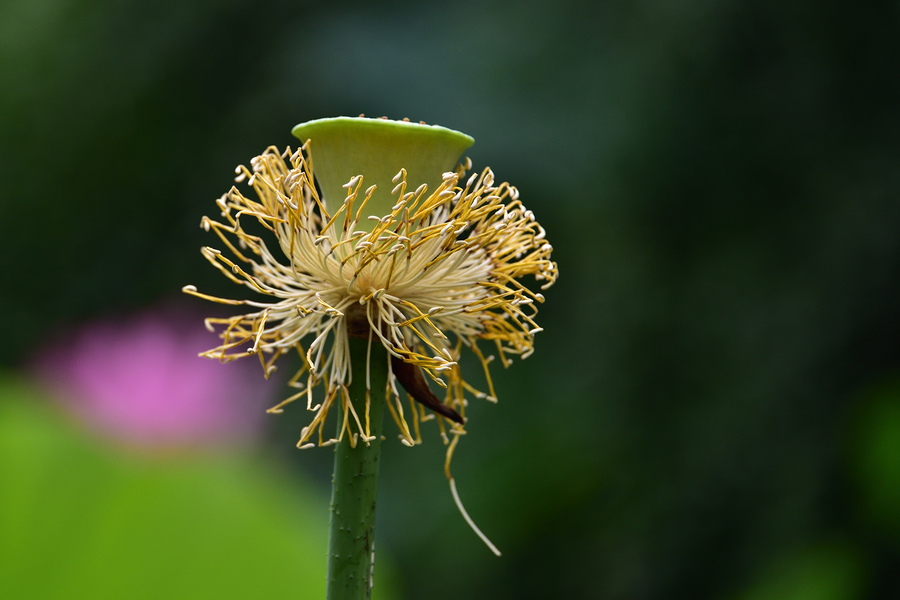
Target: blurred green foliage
[(875, 460), (79, 521), (719, 182), (829, 572)]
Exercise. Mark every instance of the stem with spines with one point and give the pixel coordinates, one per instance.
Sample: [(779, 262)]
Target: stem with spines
[(351, 545)]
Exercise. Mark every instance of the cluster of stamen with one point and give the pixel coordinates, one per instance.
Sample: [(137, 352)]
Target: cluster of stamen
[(442, 263)]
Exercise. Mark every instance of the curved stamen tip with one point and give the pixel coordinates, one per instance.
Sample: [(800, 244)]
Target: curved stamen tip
[(469, 521)]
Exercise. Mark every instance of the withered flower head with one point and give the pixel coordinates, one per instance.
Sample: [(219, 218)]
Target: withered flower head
[(396, 246)]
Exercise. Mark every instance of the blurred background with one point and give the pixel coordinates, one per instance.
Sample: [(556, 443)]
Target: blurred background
[(713, 409)]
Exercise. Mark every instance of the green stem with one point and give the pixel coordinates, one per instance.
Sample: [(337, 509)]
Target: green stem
[(351, 546)]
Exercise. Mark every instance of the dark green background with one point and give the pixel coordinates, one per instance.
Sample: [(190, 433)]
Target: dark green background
[(711, 411)]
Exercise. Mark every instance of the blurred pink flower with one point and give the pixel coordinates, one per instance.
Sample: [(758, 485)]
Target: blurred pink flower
[(140, 381)]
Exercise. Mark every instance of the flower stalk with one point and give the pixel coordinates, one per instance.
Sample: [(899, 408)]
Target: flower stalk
[(375, 255), (351, 543)]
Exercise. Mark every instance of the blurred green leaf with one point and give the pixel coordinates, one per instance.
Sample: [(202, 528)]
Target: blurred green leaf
[(876, 458), (828, 572), (79, 520)]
